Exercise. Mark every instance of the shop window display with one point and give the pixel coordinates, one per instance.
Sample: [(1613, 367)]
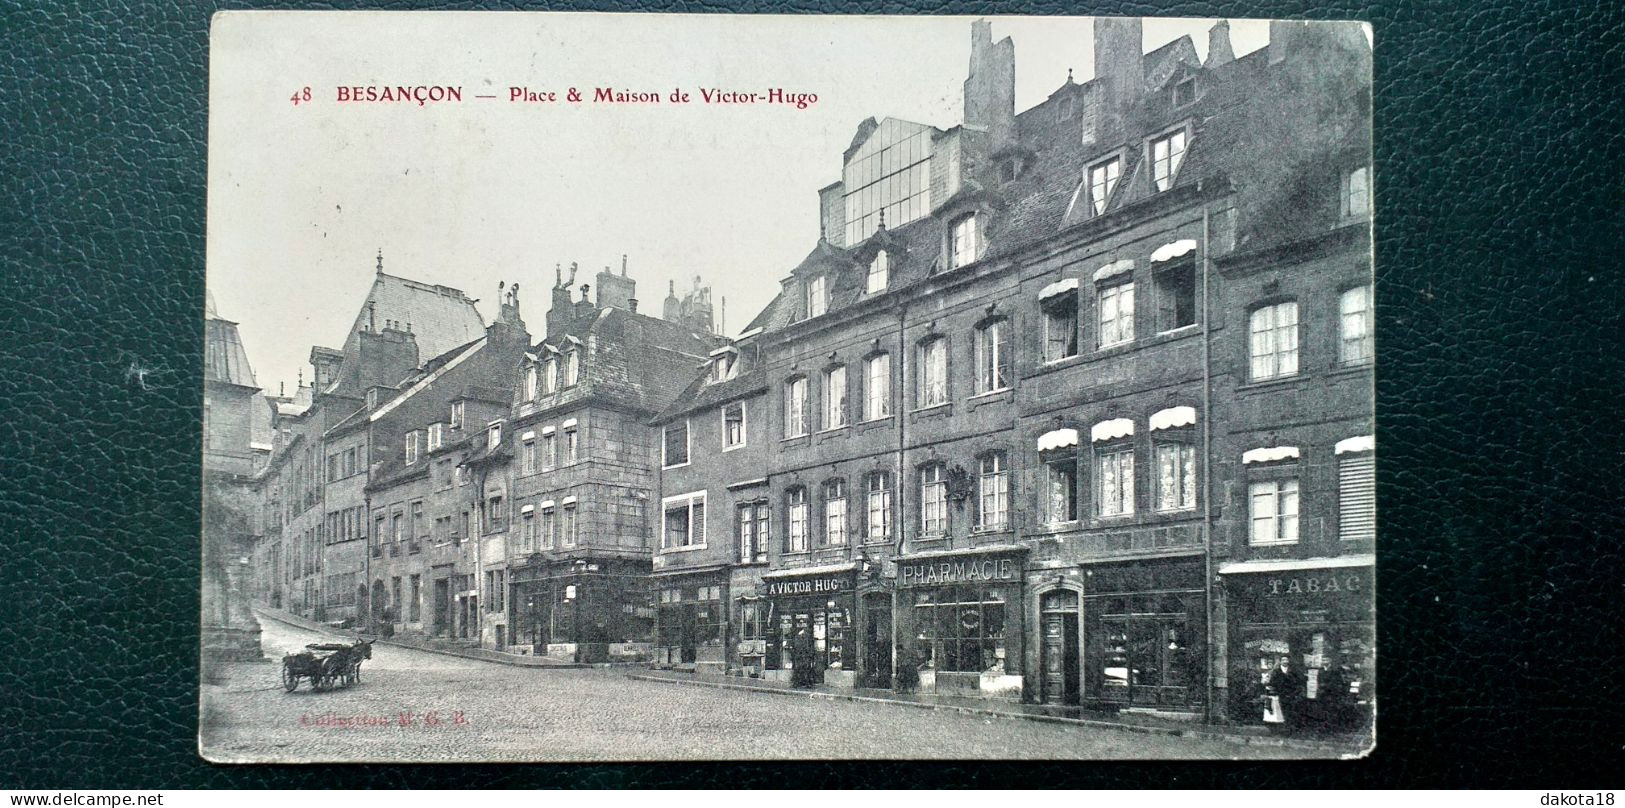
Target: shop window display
[(960, 628)]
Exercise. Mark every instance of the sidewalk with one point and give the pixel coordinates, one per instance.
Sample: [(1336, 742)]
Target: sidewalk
[(428, 644), (1344, 747)]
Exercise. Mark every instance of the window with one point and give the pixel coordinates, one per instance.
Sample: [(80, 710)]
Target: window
[(527, 457), (1356, 193), (685, 521), (1184, 92), (457, 415), (1274, 342), (572, 368), (350, 461), (397, 526), (751, 521), (414, 606), (674, 445), (723, 366), (877, 387), (795, 516), (835, 397), (418, 528), (1273, 506), (993, 493), (1356, 497), (1115, 472), (493, 434), (992, 356), (495, 516), (1166, 153), (879, 273), (733, 425), (961, 628), (1176, 476), (437, 436), (1354, 330), (527, 530), (962, 241), (567, 530), (1116, 314), (1060, 487), (835, 512), (795, 407), (530, 382), (1102, 181), (817, 297), (572, 445), (550, 375), (411, 447), (550, 526), (934, 500), (879, 521), (1060, 327), (933, 385), (889, 173), (1176, 296), (750, 621), (549, 449)]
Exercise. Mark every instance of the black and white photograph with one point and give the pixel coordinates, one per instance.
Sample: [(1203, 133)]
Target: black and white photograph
[(643, 387)]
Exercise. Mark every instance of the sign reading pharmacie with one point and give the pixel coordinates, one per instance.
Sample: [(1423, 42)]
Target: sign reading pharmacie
[(959, 570)]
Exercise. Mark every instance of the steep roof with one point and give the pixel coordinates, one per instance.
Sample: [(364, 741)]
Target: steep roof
[(224, 358), (439, 318)]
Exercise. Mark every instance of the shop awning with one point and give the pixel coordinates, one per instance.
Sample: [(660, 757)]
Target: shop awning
[(548, 503), (1059, 287), (1173, 249), (569, 423), (1111, 430), (1173, 417), (1269, 455), (1057, 439), (528, 509), (802, 572), (1114, 269), (528, 436), (1363, 443), (1290, 564), (548, 430), (747, 484), (568, 501)]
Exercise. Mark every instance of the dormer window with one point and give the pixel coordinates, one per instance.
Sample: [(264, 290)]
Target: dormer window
[(817, 297), (437, 436), (550, 375), (493, 434), (1010, 169), (724, 366), (1184, 92), (1102, 182), (879, 273), (372, 399), (457, 415), (1063, 109), (963, 244), (411, 447), (1166, 153), (530, 382), (572, 368)]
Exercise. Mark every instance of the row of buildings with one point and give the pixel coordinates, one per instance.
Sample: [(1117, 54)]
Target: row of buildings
[(1071, 405)]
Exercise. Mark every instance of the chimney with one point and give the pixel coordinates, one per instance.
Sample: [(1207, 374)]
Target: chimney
[(1219, 52), (1119, 69), (990, 89), (561, 312), (616, 291), (671, 313)]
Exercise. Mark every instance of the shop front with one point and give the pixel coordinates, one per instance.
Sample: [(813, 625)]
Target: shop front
[(1144, 628), (583, 610), (959, 621), (1318, 616), (810, 637), (691, 619)]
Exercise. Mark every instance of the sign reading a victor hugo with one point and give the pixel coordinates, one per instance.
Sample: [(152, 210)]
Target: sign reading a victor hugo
[(695, 348)]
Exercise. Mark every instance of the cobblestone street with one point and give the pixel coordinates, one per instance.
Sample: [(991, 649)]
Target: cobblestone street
[(467, 710)]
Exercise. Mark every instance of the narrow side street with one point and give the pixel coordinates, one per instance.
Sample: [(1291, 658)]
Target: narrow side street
[(467, 710)]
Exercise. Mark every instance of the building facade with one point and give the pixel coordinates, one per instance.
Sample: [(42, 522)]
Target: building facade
[(1003, 392)]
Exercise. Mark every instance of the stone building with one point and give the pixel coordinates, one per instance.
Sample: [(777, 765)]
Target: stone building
[(582, 464), (1005, 420)]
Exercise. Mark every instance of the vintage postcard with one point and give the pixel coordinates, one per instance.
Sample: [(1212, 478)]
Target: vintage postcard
[(626, 387)]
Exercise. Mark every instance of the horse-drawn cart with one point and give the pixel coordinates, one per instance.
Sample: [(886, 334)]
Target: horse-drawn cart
[(325, 665)]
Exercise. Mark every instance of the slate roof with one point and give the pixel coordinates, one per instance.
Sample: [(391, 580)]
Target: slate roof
[(635, 359), (702, 393), (224, 358), (439, 318)]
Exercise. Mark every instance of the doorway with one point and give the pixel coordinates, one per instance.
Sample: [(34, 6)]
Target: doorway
[(1059, 622), (442, 607), (877, 640)]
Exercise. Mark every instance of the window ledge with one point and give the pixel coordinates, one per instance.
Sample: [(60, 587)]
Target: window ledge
[(1272, 383), (1058, 527), (942, 410), (683, 464), (1003, 395), (869, 426), (1180, 331), (734, 448), (1060, 362), (1351, 369), (686, 549), (834, 430)]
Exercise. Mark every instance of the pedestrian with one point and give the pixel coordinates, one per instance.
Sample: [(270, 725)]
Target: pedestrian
[(1283, 695), (802, 658)]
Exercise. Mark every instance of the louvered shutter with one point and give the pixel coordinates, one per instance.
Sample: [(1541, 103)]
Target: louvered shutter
[(1357, 497)]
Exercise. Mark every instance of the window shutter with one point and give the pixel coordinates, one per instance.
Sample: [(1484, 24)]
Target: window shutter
[(1357, 498)]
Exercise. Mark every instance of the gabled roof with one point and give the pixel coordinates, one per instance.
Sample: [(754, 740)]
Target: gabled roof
[(439, 318)]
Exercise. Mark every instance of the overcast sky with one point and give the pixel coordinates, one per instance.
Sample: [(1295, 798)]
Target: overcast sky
[(301, 198)]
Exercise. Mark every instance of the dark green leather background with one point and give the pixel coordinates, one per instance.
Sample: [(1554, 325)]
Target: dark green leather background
[(1500, 382)]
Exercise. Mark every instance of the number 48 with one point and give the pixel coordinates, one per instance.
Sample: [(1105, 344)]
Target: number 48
[(299, 96)]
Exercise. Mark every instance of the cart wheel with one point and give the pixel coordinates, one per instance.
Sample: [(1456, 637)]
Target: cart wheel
[(290, 680)]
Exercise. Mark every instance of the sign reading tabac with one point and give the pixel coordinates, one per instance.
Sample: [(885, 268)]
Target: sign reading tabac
[(957, 571)]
